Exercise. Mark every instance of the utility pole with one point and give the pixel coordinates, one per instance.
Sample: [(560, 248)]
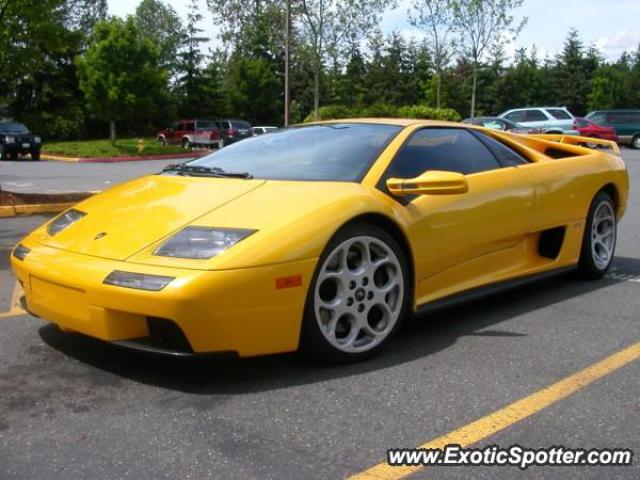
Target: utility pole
[(287, 56)]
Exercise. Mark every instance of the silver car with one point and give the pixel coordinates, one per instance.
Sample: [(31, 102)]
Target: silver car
[(551, 119)]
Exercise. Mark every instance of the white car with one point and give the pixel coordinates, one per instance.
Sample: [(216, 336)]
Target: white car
[(551, 119), (263, 130)]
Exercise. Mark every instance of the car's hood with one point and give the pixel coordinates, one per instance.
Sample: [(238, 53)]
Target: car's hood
[(132, 216)]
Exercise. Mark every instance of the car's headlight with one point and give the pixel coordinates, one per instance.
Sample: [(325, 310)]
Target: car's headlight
[(138, 281), (9, 139), (37, 140), (21, 252), (201, 242), (65, 220)]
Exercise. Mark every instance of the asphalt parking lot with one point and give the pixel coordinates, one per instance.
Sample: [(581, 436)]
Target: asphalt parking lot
[(24, 176), (73, 408)]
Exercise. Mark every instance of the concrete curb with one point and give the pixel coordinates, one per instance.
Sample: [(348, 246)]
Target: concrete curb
[(174, 156), (14, 204), (16, 210)]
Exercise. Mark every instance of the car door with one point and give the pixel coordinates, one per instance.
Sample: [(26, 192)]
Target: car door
[(454, 234), (174, 132), (537, 118)]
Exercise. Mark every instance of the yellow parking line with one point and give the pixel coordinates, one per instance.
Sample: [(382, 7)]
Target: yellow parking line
[(507, 416), (15, 309)]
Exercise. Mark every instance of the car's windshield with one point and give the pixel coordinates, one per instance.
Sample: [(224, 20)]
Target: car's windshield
[(13, 127), (331, 152)]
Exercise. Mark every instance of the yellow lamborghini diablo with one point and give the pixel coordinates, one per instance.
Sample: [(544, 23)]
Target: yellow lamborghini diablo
[(323, 236)]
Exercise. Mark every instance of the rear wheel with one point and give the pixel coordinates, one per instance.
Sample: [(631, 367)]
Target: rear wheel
[(600, 235), (162, 141), (592, 144), (358, 296), (635, 142)]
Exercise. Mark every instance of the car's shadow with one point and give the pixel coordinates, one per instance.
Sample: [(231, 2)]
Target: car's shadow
[(420, 338)]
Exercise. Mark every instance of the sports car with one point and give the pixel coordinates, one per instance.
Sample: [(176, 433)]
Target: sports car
[(323, 237)]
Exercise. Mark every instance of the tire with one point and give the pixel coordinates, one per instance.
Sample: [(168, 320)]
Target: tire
[(3, 153), (635, 142), (592, 145), (35, 155), (162, 141), (186, 143), (358, 296), (599, 240)]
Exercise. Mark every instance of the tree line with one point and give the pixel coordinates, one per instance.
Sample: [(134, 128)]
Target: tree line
[(69, 70)]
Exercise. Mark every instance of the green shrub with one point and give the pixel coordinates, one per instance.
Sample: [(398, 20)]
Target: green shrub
[(381, 110), (428, 113)]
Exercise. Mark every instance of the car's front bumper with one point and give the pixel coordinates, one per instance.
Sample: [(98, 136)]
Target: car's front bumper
[(239, 311), (21, 147)]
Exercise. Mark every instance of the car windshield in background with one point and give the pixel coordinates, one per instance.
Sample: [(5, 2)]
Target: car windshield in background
[(206, 126), (330, 152), (13, 127)]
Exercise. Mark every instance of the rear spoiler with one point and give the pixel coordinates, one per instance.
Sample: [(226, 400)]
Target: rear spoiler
[(579, 141)]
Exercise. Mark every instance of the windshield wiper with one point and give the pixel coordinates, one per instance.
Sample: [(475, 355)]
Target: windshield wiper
[(202, 171)]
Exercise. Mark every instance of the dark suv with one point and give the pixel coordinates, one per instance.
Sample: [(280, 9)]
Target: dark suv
[(234, 130), (15, 140)]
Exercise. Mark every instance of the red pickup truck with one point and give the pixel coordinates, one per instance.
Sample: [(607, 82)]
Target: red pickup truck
[(192, 133)]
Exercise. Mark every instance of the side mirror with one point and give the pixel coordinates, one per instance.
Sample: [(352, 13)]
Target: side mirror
[(429, 183)]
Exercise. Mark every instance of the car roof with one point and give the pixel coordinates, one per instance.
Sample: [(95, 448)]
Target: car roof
[(400, 122), (537, 108)]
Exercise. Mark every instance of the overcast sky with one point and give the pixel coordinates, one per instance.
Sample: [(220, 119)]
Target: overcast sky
[(611, 25)]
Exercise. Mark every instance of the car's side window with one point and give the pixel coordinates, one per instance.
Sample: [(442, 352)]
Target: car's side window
[(505, 155), (535, 116), (444, 149), (559, 114), (515, 116), (599, 118), (190, 127)]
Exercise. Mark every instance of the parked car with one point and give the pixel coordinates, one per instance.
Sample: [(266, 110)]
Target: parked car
[(587, 128), (501, 124), (263, 130), (625, 122), (322, 237), (15, 140), (551, 119), (234, 130), (192, 133)]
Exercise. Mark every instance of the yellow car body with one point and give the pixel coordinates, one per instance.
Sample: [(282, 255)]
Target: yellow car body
[(251, 299)]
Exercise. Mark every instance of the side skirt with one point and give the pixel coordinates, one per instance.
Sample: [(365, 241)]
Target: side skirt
[(488, 290)]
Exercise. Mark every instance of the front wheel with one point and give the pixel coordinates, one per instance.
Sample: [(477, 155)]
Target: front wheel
[(635, 142), (35, 155), (186, 143), (600, 235), (358, 295)]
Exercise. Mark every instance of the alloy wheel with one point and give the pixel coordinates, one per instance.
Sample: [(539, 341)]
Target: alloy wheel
[(359, 294), (603, 235)]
